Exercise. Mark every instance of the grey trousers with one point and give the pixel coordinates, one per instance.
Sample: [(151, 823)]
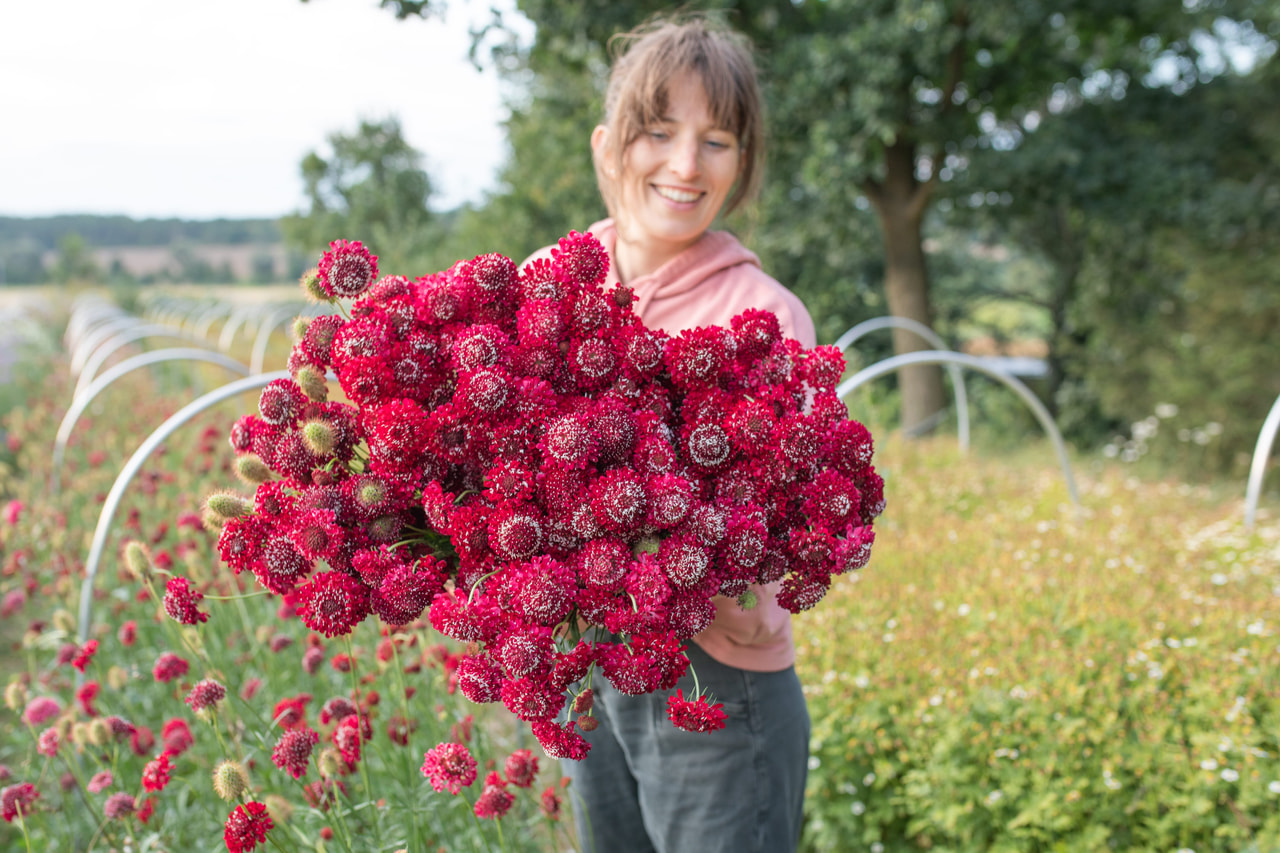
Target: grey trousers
[(648, 787)]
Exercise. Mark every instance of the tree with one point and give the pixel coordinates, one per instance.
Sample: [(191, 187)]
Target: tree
[(370, 187)]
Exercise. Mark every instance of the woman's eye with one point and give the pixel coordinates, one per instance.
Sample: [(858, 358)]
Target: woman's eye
[(659, 135)]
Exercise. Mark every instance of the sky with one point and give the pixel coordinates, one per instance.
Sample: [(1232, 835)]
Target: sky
[(205, 108)]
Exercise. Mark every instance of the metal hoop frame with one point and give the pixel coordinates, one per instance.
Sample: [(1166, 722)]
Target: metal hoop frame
[(929, 335), (897, 362), (111, 345), (1258, 468)]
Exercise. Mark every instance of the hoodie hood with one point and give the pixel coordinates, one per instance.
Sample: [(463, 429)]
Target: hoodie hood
[(714, 253)]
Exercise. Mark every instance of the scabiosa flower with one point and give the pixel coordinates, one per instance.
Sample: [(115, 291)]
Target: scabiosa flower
[(397, 434), (495, 800), (560, 742), (155, 776), (119, 805), (169, 666), (347, 737), (128, 633), (17, 800), (337, 709), (449, 766), (479, 678), (543, 590), (246, 826), (332, 603), (291, 712), (706, 446), (176, 735), (47, 743), (618, 501), (86, 695), (755, 332), (549, 803), (521, 767), (100, 781), (40, 710), (695, 715), (292, 752), (579, 259), (514, 534), (181, 602), (205, 694), (346, 269), (406, 591)]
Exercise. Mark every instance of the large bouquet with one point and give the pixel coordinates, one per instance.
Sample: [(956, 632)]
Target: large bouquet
[(560, 488)]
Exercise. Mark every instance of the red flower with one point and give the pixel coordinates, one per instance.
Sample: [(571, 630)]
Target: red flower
[(181, 602), (521, 767), (291, 713), (41, 709), (495, 800), (332, 603), (347, 737), (119, 805), (86, 695), (176, 736), (205, 695), (155, 776), (169, 666), (449, 766), (696, 715), (128, 633), (246, 826), (85, 654), (293, 751), (347, 269)]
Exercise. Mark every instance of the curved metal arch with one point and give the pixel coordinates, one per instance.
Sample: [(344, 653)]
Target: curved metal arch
[(131, 468), (920, 329), (111, 345), (239, 317), (93, 339), (211, 314), (273, 321), (194, 312), (897, 362), (79, 404), (134, 465), (1258, 468), (85, 318)]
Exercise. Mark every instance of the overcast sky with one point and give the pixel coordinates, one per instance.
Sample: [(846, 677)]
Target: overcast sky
[(204, 108)]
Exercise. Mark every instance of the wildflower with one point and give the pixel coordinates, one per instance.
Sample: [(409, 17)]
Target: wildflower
[(347, 737), (332, 603), (100, 781), (521, 767), (17, 799), (86, 696), (169, 666), (128, 633), (697, 715), (449, 766), (155, 776), (176, 736), (346, 270), (205, 695), (291, 713), (246, 826), (293, 751), (47, 743), (495, 800), (41, 709), (550, 803), (181, 602), (119, 805)]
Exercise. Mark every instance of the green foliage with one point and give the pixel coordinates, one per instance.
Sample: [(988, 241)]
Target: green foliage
[(370, 187), (1004, 676), (46, 231)]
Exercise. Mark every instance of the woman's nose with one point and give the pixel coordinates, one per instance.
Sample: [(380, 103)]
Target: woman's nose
[(684, 158)]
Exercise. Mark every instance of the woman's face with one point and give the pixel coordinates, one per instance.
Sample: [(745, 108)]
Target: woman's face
[(676, 176)]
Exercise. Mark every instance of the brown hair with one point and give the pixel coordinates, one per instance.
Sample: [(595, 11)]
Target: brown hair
[(649, 57)]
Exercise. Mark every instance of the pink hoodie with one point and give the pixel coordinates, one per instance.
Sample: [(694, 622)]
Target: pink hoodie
[(708, 284)]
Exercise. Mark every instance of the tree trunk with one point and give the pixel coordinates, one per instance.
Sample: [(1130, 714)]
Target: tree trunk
[(900, 202)]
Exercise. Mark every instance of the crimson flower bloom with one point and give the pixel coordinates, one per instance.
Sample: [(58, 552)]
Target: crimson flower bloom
[(449, 765), (697, 715), (293, 751), (156, 774), (246, 826)]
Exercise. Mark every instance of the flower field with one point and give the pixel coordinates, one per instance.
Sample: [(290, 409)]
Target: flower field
[(1004, 675)]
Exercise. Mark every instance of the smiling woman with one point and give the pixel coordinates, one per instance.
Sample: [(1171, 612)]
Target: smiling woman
[(679, 144)]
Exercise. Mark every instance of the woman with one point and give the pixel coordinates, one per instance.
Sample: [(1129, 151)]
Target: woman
[(680, 143)]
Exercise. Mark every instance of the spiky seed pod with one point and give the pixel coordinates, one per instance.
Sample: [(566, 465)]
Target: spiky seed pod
[(319, 437), (278, 807), (311, 286), (299, 328), (137, 559), (63, 620), (311, 381), (748, 600), (252, 470), (230, 780), (99, 732), (15, 695), (330, 763), (211, 521), (372, 492), (228, 505), (80, 734)]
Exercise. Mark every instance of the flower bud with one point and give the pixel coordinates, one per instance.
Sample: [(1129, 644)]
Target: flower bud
[(278, 807), (311, 286), (748, 600), (319, 437), (80, 734), (99, 732), (211, 521), (311, 381), (63, 621), (252, 470), (228, 505), (330, 763), (588, 724), (117, 678), (584, 701), (299, 327), (384, 528), (138, 560), (230, 780), (371, 492), (15, 695)]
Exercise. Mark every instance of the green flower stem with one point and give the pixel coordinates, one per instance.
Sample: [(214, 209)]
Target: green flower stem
[(22, 824), (364, 770), (241, 597)]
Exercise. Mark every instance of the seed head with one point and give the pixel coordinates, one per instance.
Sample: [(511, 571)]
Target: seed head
[(299, 327), (310, 283), (228, 505), (63, 620), (311, 381), (230, 780), (15, 695), (319, 437), (748, 600), (252, 470), (99, 732)]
